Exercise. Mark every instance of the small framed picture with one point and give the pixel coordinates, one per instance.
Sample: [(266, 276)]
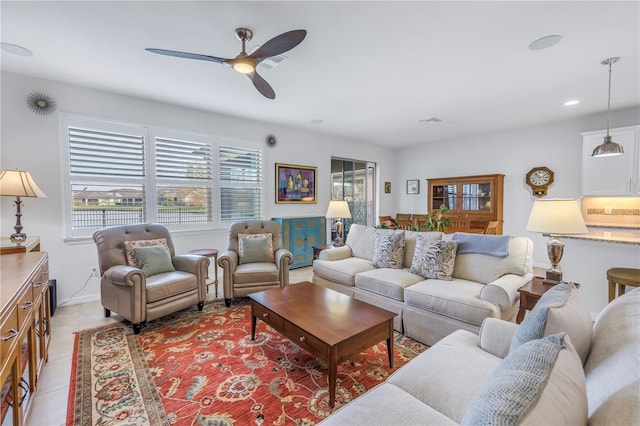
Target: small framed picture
[(413, 186), (387, 187)]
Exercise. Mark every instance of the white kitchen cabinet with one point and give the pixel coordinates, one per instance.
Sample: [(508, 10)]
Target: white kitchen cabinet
[(611, 176)]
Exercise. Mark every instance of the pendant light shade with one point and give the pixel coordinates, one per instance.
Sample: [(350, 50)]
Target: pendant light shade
[(608, 148)]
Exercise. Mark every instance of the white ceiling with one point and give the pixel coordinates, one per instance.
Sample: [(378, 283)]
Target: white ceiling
[(370, 70)]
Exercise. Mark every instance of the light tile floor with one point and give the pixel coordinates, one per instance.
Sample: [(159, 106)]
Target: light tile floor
[(50, 400)]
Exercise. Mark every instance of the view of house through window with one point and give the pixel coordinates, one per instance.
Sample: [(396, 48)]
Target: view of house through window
[(125, 174), (353, 181)]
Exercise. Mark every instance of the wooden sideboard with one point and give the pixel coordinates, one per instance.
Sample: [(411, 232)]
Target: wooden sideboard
[(25, 331), (300, 235), (8, 247)]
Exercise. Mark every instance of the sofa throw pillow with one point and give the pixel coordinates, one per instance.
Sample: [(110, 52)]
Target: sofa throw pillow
[(541, 382), (267, 235), (561, 309), (153, 260), (130, 245), (434, 258), (255, 250), (388, 250)]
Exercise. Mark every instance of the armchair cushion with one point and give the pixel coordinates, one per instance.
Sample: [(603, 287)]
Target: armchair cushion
[(254, 250), (269, 239), (130, 245), (153, 260)]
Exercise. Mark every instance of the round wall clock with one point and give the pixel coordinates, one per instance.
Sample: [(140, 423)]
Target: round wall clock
[(539, 179)]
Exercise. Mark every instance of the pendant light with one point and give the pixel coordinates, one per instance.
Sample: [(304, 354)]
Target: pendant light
[(608, 148)]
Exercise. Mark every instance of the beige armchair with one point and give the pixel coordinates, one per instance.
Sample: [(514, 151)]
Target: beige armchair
[(241, 279), (138, 298)]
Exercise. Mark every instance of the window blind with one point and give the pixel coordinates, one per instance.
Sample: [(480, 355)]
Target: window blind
[(240, 175)]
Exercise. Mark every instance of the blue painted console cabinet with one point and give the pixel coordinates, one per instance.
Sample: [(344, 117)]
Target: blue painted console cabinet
[(300, 235)]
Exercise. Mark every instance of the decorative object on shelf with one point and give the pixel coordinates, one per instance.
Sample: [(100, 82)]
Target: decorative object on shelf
[(413, 186), (18, 183), (296, 184), (556, 217), (608, 148), (271, 140), (539, 179), (41, 103), (387, 187), (338, 209)]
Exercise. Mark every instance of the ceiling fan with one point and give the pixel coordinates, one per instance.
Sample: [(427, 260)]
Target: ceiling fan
[(245, 63)]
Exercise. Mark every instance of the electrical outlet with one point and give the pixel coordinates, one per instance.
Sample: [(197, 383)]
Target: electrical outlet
[(94, 271)]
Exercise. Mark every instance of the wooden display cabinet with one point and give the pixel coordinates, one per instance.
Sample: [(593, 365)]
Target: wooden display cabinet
[(476, 198)]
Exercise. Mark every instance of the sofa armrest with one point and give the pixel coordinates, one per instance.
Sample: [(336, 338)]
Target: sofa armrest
[(504, 291), (496, 335), (190, 263), (124, 275), (336, 253)]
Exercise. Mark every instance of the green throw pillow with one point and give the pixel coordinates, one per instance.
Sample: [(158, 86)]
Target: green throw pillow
[(255, 250), (153, 259)]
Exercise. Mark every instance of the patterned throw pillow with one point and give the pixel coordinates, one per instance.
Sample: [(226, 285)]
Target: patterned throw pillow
[(130, 245), (388, 251), (434, 258), (266, 235)]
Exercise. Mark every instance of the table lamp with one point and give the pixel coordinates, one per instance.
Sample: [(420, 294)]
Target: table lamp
[(18, 183), (339, 210), (556, 217)]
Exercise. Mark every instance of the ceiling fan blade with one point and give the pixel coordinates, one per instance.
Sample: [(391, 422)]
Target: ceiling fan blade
[(188, 55), (261, 84), (279, 44)]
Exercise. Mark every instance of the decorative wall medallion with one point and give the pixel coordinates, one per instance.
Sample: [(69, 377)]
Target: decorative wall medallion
[(41, 103)]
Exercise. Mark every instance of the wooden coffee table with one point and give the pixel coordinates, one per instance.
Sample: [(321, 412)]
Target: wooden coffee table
[(330, 325)]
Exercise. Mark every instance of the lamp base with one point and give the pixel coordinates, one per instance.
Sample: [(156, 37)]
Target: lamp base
[(18, 237), (553, 277)]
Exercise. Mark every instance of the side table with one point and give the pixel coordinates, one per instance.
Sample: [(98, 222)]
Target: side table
[(210, 253), (318, 249), (530, 293)]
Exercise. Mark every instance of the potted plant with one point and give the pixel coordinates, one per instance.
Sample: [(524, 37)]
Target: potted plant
[(437, 220)]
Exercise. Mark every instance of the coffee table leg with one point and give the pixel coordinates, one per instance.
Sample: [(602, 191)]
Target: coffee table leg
[(390, 343), (253, 323), (333, 372)]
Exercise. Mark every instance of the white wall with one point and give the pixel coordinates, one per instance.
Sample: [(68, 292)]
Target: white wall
[(31, 142), (513, 153)]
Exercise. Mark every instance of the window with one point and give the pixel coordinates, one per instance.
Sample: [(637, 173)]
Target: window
[(124, 174)]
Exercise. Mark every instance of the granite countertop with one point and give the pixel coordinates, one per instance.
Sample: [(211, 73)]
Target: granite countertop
[(616, 235)]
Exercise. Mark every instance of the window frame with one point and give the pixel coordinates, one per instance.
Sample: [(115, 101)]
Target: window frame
[(150, 181)]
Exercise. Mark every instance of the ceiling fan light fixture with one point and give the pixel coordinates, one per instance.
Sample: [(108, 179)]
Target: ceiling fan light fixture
[(608, 148), (244, 67)]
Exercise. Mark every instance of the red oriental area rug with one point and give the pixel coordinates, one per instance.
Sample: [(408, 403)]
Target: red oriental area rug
[(203, 368)]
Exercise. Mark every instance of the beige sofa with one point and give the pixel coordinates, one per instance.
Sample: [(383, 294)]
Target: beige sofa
[(483, 286), (449, 382)]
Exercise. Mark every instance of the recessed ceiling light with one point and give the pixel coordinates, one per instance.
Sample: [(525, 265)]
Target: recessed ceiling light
[(572, 102), (15, 49), (317, 121), (544, 42), (431, 120)]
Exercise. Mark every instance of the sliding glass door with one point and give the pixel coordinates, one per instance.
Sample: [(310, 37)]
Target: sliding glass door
[(353, 181)]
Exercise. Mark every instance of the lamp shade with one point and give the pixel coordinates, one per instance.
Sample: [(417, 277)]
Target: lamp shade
[(338, 209), (18, 183), (608, 148), (556, 217)]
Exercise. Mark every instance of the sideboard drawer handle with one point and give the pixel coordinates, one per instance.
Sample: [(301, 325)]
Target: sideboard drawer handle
[(38, 284), (302, 338), (27, 305), (265, 315), (13, 334)]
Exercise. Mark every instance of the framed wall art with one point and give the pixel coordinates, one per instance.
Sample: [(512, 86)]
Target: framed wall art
[(413, 186), (296, 184)]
